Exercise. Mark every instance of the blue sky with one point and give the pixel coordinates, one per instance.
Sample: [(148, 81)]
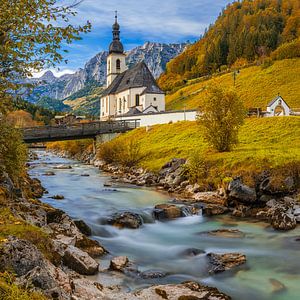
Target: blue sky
[(168, 21)]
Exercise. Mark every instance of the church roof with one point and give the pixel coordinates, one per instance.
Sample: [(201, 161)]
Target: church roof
[(138, 76), (275, 99)]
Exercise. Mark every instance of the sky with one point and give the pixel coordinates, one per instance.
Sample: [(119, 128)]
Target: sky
[(166, 21)]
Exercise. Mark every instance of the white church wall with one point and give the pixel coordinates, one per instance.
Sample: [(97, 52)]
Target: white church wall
[(279, 102), (161, 118), (157, 100)]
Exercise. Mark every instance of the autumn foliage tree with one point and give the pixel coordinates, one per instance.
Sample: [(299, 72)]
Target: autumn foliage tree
[(221, 115), (31, 37), (246, 30)]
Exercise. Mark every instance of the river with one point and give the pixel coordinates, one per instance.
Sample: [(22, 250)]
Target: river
[(271, 255)]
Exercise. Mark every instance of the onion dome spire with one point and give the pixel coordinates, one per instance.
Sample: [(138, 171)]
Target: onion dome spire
[(116, 46)]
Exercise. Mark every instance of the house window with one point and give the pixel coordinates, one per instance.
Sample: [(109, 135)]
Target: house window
[(154, 98), (118, 63), (137, 100), (106, 106)]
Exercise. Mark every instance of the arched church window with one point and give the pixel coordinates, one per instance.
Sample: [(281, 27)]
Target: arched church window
[(118, 63), (109, 66)]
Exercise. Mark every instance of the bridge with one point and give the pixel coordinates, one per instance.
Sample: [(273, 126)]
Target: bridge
[(76, 131)]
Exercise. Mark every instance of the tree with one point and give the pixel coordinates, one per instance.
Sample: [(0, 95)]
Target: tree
[(221, 115), (31, 37)]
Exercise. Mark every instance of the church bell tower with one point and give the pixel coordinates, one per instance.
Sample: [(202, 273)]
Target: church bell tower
[(116, 59)]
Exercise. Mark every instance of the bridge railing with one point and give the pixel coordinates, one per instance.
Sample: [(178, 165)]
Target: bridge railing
[(78, 129)]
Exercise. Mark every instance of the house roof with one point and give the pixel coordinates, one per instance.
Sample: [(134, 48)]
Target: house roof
[(275, 99), (150, 106), (138, 76), (133, 111)]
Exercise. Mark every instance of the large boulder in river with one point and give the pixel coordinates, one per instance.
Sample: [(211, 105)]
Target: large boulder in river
[(222, 262), (240, 192), (126, 220), (80, 261), (167, 211), (282, 219)]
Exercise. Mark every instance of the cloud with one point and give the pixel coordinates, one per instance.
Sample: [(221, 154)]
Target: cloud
[(56, 72), (154, 18)]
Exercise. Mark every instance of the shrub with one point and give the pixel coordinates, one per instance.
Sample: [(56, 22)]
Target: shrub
[(127, 153), (13, 152), (196, 167), (221, 115)]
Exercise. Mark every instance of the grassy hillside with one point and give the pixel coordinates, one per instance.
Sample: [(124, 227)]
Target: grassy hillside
[(257, 86), (266, 143), (86, 101), (246, 30)]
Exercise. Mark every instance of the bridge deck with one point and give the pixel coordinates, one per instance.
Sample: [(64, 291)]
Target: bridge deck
[(76, 131)]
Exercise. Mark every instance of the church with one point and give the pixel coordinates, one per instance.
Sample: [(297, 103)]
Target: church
[(131, 91)]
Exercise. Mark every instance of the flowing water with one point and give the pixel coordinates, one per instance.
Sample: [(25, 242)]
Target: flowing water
[(271, 256)]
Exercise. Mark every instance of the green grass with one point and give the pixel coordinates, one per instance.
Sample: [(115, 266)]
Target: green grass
[(256, 86), (265, 143), (10, 291)]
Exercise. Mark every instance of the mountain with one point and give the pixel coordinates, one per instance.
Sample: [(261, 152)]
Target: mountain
[(155, 55), (244, 32)]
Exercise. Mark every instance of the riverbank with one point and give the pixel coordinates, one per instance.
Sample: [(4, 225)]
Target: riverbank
[(176, 249), (51, 255)]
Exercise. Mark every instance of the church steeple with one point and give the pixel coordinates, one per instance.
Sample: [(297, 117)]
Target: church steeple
[(116, 46), (116, 60)]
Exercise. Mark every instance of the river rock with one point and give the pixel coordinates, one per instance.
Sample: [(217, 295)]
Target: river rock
[(126, 220), (171, 166), (62, 167), (185, 291), (92, 247), (214, 209), (58, 197), (190, 252), (49, 173), (80, 261), (152, 274), (277, 286), (240, 192), (225, 233), (210, 198), (83, 227), (119, 263), (166, 211), (222, 262), (282, 219)]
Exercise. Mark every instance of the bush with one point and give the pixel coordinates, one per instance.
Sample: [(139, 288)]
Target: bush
[(221, 115), (196, 167), (127, 154), (13, 152)]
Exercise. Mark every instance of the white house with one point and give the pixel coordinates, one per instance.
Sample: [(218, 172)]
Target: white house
[(278, 107), (129, 91)]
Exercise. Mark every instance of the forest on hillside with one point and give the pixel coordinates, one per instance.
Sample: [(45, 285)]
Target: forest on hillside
[(245, 31)]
